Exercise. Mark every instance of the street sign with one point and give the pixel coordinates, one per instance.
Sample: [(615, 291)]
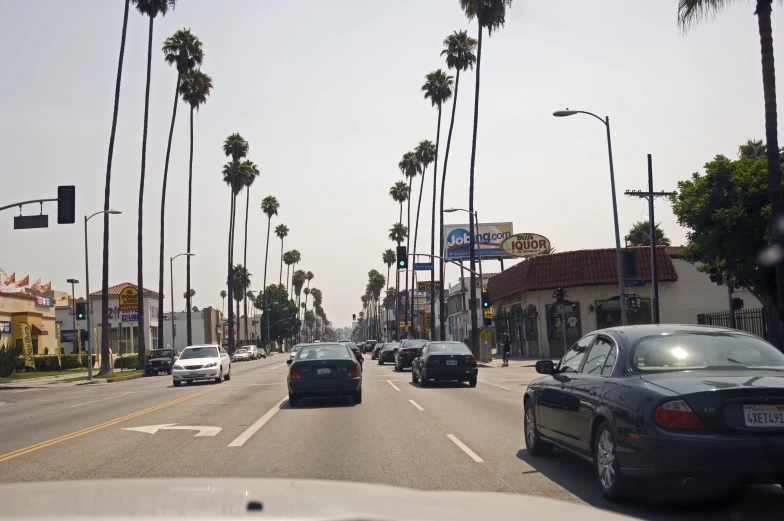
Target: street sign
[(629, 283), (423, 266), (485, 333), (488, 312), (27, 222)]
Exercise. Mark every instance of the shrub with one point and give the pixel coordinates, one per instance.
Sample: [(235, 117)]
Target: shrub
[(126, 362), (9, 359), (69, 362), (46, 363), (46, 350)]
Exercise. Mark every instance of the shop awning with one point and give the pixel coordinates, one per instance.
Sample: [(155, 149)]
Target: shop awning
[(38, 330)]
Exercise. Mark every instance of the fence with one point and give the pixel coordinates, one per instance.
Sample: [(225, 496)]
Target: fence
[(754, 321)]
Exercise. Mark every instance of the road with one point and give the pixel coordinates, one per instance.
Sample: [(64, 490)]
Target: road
[(438, 438)]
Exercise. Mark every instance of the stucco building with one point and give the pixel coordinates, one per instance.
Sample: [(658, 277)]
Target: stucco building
[(35, 311)]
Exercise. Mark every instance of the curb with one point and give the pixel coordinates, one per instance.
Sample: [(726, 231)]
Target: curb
[(16, 387), (111, 380)]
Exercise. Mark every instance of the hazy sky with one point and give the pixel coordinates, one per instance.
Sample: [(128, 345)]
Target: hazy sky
[(327, 93)]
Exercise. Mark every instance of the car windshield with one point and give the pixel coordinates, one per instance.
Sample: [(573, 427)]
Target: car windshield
[(161, 353), (199, 352), (692, 351), (449, 349), (412, 344), (240, 351), (324, 352)]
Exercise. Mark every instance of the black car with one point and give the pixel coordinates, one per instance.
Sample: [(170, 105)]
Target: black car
[(387, 352), (356, 350), (695, 406), (324, 369), (369, 345), (444, 361), (160, 360), (409, 349)]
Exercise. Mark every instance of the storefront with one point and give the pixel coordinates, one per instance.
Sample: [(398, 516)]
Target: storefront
[(22, 314), (122, 313)]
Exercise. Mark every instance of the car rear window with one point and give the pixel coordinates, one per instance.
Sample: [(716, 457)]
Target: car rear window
[(449, 349), (325, 352), (390, 347), (700, 350), (413, 344)]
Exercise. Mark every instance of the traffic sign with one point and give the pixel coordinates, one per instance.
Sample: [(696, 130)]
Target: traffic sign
[(423, 266), (484, 333), (634, 283)]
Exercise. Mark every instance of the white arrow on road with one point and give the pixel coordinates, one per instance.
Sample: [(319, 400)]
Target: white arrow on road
[(152, 429)]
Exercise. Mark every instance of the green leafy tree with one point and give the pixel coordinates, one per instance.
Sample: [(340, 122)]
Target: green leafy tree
[(399, 192), (640, 235), (459, 52), (282, 319), (753, 149), (691, 12)]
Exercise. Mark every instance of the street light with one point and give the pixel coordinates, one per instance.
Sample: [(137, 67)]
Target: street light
[(87, 290), (474, 321), (171, 280), (72, 282), (619, 260)]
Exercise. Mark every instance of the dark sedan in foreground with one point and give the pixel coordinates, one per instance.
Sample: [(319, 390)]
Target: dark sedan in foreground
[(324, 369), (695, 406), (444, 361), (409, 349)]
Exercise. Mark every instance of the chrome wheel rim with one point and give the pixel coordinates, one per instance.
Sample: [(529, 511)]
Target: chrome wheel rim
[(605, 459), (530, 427)]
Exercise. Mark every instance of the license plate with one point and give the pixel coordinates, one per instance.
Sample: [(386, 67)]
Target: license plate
[(194, 373), (451, 362), (764, 415), (324, 370)]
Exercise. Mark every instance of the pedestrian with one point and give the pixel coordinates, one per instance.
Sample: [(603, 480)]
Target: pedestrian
[(507, 349)]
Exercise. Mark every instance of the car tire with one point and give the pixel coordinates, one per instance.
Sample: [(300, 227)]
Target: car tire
[(472, 382), (176, 383), (534, 444), (380, 362), (608, 476), (423, 380), (219, 379), (357, 397), (228, 376), (293, 400)]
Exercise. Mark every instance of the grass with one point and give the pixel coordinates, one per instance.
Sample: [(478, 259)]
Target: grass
[(104, 376), (40, 374)]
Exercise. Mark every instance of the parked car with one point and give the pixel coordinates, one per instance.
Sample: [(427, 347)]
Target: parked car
[(376, 350), (160, 360), (324, 369), (444, 361), (253, 352), (241, 355), (387, 352), (202, 362), (356, 350), (695, 406), (404, 356), (293, 352), (262, 352), (370, 345)]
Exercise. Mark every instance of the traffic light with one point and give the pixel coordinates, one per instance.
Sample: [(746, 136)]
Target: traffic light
[(488, 322), (559, 294), (402, 258), (715, 275), (66, 204), (485, 300), (81, 310), (354, 317)]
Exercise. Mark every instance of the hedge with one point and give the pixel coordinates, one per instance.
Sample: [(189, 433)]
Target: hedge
[(46, 363), (70, 361), (127, 362)]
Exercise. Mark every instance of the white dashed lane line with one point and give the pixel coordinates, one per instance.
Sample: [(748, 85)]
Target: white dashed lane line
[(393, 385), (253, 429), (495, 385), (465, 449), (100, 400), (416, 405)]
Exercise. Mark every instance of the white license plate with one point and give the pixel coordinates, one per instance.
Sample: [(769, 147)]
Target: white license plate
[(324, 370), (764, 415), (194, 373), (451, 362)]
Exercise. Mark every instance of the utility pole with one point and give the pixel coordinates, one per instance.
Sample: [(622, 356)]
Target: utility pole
[(650, 195)]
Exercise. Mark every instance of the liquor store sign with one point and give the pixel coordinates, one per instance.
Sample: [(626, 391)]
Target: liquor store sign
[(129, 299)]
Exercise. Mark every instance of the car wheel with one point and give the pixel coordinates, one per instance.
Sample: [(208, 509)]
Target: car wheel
[(533, 443), (169, 372), (357, 397), (423, 380), (608, 474), (472, 382), (414, 379), (228, 376), (176, 383), (219, 379), (380, 362), (293, 400)]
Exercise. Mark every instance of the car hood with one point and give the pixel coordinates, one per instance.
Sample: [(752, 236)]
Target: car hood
[(687, 382), (167, 358), (197, 361), (279, 498)]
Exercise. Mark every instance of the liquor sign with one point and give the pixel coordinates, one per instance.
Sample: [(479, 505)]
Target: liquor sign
[(425, 285), (525, 245), (129, 299)]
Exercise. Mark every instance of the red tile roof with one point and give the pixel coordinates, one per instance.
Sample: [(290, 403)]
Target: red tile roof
[(575, 268), (116, 290)]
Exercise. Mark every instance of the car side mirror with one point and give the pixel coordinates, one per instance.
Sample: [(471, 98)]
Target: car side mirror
[(545, 367), (289, 361)]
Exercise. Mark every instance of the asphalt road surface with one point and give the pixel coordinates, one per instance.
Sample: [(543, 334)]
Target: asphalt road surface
[(446, 437)]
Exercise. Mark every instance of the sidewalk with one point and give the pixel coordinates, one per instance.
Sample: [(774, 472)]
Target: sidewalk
[(46, 381), (514, 361)]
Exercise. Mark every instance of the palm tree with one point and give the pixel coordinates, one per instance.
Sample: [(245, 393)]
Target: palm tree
[(250, 173), (269, 205), (297, 281), (188, 294), (425, 153), (281, 231), (151, 9), (459, 52), (239, 285), (235, 147), (195, 88), (223, 299), (399, 192), (753, 149), (437, 87), (640, 235), (388, 258), (398, 233), (409, 166), (288, 259), (105, 358), (295, 258), (306, 291), (309, 276), (489, 14)]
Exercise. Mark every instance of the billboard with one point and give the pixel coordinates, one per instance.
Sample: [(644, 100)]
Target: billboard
[(489, 239), (526, 245)]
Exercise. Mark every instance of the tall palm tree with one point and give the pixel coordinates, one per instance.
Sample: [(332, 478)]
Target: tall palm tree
[(223, 299), (399, 192), (105, 358), (425, 153), (151, 9), (295, 258), (459, 52), (753, 149), (306, 291), (398, 233), (288, 259), (195, 88), (239, 285), (250, 173), (410, 167), (184, 51), (269, 205), (309, 276), (236, 148), (281, 231), (389, 258), (438, 88), (640, 234), (490, 15)]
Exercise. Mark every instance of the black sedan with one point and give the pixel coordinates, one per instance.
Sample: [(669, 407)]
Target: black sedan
[(356, 350), (694, 406), (444, 361), (409, 349), (387, 352), (324, 369)]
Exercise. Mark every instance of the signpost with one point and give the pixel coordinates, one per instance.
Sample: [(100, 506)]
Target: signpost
[(423, 266), (525, 245), (634, 283)]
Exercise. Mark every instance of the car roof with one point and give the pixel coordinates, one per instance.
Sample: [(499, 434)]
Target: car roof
[(201, 345), (633, 333)]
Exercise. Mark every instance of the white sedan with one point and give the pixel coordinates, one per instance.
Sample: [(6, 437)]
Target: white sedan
[(202, 362)]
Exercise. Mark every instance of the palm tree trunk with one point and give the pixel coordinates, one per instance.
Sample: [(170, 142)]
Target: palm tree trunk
[(266, 257), (142, 346), (416, 232), (441, 306), (771, 137), (472, 253), (188, 326), (280, 278), (433, 232), (223, 305), (245, 257), (400, 218), (105, 362), (161, 344), (230, 279), (408, 249), (288, 268)]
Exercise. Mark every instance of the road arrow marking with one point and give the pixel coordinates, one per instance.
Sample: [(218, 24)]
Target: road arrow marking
[(152, 429)]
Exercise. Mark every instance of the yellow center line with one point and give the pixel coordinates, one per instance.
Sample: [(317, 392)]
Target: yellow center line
[(44, 444)]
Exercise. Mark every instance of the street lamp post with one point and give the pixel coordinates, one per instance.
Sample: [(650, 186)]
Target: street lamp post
[(171, 281), (619, 259), (72, 282), (87, 290)]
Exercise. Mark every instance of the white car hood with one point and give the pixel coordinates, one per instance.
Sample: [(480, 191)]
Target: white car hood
[(280, 499), (197, 361)]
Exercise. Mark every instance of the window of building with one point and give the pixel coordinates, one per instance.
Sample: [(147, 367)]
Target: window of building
[(154, 336), (563, 316)]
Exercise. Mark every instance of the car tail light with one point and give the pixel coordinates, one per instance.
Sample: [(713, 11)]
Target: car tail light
[(677, 415), (354, 370), (293, 372), (430, 361), (471, 361)]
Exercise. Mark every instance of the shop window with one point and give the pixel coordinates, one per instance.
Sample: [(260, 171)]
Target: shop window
[(563, 316), (608, 312), (519, 323)]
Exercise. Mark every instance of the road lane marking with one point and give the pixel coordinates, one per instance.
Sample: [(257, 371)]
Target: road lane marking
[(276, 383), (26, 390), (463, 446), (416, 405), (496, 385), (393, 385), (277, 366), (152, 429), (253, 429), (43, 444), (102, 399)]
